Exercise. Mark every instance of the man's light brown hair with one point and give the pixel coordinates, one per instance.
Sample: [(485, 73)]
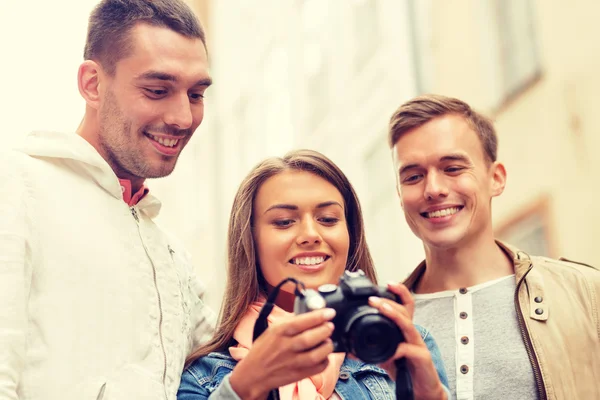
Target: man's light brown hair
[(108, 37), (422, 109)]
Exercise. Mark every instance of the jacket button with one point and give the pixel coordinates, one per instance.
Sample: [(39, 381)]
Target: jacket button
[(538, 299), (463, 315), (539, 311), (464, 340), (464, 369), (462, 290), (344, 375)]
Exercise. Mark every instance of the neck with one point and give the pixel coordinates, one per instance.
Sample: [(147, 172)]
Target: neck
[(89, 130), (463, 266)]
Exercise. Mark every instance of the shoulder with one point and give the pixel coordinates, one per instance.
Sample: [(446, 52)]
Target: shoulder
[(208, 371), (564, 268)]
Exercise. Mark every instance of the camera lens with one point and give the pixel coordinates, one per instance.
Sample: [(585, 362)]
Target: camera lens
[(371, 336)]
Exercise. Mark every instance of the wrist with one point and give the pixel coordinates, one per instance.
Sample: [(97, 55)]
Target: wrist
[(245, 387)]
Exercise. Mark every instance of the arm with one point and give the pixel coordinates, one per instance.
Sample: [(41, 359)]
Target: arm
[(191, 389), (15, 277), (283, 354)]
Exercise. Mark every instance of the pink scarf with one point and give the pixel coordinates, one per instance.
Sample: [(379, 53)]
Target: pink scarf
[(320, 386)]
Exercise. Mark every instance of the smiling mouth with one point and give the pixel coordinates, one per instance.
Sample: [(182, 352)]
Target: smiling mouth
[(309, 261), (171, 143), (445, 212)]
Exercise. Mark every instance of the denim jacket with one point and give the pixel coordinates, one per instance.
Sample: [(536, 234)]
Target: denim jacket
[(208, 377)]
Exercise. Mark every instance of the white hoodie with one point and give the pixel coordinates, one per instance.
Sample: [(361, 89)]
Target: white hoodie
[(96, 301)]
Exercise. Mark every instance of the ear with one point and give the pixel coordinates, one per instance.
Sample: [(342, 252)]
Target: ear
[(498, 178), (88, 81)]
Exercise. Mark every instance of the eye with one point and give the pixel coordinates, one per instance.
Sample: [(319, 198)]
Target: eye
[(454, 169), (196, 97), (155, 93), (283, 223), (329, 220), (412, 178)]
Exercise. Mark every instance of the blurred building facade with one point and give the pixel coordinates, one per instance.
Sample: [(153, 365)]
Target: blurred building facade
[(316, 74), (328, 74)]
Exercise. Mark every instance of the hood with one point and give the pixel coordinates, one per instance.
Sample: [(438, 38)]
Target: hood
[(84, 159)]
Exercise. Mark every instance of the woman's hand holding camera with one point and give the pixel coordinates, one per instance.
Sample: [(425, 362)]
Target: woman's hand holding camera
[(425, 379), (285, 353)]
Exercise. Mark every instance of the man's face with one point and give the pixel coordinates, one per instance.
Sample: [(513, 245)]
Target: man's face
[(445, 183), (153, 103)]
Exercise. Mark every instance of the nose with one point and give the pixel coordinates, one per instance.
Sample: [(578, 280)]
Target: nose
[(435, 187), (309, 233), (179, 113)]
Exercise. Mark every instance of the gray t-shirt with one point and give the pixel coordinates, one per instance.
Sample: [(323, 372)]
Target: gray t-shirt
[(480, 340)]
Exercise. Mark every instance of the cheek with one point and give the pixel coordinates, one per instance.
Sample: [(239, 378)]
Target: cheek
[(339, 241), (272, 248), (410, 198)]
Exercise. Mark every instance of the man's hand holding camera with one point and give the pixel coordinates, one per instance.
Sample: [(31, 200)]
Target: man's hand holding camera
[(425, 380)]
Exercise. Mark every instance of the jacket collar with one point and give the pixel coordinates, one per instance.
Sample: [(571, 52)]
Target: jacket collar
[(523, 266), (521, 263)]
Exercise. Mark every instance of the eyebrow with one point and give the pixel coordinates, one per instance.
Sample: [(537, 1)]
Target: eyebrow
[(449, 157), (294, 207), (163, 76)]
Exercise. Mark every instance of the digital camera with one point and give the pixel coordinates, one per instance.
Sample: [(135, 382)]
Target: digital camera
[(359, 328)]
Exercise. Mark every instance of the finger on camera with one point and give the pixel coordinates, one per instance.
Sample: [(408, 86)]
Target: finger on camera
[(386, 305), (312, 337), (303, 322), (402, 320), (415, 353), (405, 296)]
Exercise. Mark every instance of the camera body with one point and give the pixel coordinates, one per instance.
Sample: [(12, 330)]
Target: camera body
[(359, 328)]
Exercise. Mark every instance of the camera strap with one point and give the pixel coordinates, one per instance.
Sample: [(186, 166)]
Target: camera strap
[(261, 324), (404, 388)]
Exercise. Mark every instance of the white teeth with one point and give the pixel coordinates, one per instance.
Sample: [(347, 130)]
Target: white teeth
[(308, 260), (442, 213), (164, 142)]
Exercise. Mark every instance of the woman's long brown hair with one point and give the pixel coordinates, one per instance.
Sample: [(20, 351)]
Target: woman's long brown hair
[(244, 279)]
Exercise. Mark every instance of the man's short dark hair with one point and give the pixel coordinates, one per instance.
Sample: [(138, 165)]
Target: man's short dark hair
[(108, 38), (422, 109)]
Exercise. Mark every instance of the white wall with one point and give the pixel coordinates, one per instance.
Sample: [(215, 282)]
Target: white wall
[(42, 46)]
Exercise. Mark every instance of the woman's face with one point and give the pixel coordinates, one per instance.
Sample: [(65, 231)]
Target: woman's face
[(300, 229)]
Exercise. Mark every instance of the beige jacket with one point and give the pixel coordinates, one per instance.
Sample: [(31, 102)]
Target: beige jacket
[(558, 305)]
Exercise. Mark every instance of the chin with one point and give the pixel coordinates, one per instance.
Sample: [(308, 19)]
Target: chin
[(443, 240)]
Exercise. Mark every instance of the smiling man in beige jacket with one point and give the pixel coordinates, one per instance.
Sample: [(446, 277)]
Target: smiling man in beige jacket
[(509, 325)]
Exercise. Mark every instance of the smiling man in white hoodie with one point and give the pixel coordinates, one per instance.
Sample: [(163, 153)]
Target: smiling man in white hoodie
[(96, 301)]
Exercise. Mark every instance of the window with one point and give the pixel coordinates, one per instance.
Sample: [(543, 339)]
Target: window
[(529, 230), (515, 61)]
